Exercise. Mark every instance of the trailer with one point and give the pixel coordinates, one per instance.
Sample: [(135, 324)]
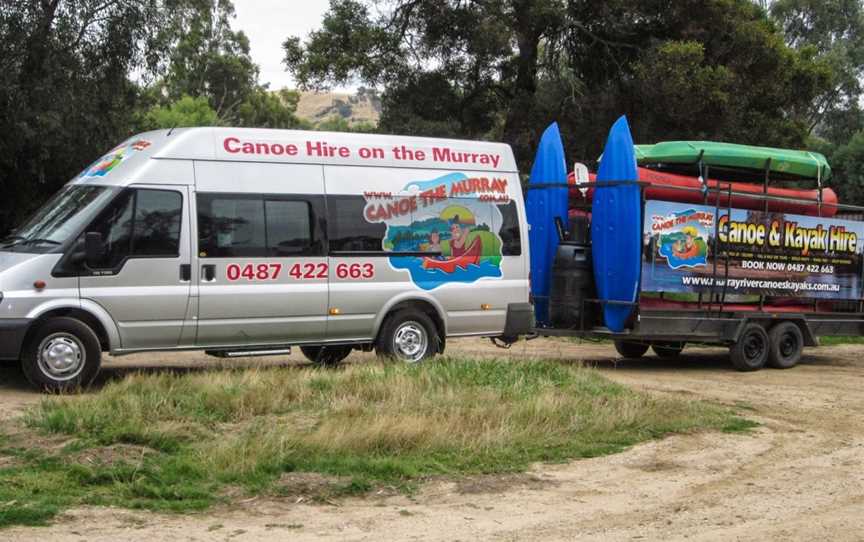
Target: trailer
[(763, 282)]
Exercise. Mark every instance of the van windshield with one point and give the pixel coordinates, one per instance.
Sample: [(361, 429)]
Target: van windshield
[(61, 217)]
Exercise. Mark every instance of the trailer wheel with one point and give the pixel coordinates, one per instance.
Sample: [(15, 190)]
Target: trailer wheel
[(328, 356), (787, 344), (408, 335), (630, 349), (668, 350), (750, 353), (62, 354)]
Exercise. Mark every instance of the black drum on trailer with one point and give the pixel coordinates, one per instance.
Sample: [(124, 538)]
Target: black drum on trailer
[(572, 284)]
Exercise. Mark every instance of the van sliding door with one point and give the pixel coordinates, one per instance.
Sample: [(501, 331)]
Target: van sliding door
[(260, 254)]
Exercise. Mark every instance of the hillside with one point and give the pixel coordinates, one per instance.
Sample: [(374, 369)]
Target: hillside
[(364, 107)]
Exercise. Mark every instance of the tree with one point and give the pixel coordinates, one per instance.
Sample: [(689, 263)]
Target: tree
[(209, 59), (692, 68), (847, 163), (64, 92), (67, 90), (834, 31), (185, 112)]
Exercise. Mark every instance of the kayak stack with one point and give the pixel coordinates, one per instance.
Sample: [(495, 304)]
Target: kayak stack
[(731, 175), (702, 173)]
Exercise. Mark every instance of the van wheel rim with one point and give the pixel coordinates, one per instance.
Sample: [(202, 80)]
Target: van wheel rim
[(410, 342), (61, 356)]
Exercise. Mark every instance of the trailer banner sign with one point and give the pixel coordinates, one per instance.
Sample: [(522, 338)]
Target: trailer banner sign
[(754, 252)]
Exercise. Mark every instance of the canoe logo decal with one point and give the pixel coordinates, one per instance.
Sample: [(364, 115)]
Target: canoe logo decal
[(682, 237), (453, 218), (114, 158)]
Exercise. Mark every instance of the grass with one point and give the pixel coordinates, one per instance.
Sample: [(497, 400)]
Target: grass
[(832, 340), (182, 443)]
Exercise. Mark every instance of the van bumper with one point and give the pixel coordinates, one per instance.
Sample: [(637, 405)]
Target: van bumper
[(520, 321), (12, 333)]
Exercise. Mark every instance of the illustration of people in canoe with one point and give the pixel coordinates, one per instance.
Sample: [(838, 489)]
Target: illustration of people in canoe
[(684, 248), (462, 249), (442, 240)]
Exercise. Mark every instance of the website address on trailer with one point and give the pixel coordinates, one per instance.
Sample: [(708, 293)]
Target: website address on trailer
[(761, 284)]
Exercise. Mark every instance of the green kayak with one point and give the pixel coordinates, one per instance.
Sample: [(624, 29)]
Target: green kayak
[(785, 162)]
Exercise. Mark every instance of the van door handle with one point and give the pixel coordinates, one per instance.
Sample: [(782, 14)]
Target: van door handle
[(185, 272), (208, 272)]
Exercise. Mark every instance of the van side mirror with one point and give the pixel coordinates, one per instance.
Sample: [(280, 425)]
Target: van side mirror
[(94, 248)]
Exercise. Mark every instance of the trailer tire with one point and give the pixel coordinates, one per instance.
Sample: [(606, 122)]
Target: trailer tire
[(787, 345), (327, 356), (631, 349), (62, 354), (750, 352), (408, 335), (670, 350)]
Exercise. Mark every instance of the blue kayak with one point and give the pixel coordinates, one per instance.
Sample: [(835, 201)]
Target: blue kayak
[(546, 200), (616, 228)]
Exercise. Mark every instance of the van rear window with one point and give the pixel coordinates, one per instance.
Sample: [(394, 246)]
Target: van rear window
[(347, 228), (511, 237)]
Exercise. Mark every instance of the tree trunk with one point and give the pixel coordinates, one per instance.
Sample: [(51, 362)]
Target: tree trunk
[(517, 126)]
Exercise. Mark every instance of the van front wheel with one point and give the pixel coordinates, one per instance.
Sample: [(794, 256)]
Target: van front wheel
[(61, 355), (408, 335)]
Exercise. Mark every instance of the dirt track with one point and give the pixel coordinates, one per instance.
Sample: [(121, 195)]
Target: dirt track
[(798, 477)]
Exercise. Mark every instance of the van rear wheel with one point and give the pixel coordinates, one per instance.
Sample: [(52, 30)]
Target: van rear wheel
[(61, 355), (328, 356), (408, 335)]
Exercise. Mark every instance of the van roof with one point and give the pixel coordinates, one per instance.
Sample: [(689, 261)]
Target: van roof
[(302, 147)]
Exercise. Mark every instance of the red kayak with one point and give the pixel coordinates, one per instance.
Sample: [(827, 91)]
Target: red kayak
[(664, 186)]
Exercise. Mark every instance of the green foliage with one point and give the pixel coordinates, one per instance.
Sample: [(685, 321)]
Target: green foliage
[(265, 109), (847, 160), (169, 442), (715, 69), (834, 31), (67, 91), (65, 95), (185, 112), (341, 124)]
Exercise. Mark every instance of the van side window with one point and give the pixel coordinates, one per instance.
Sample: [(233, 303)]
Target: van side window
[(158, 216), (231, 225), (289, 226), (140, 223), (511, 238), (348, 230)]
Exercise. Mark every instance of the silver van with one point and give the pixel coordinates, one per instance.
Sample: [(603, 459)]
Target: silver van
[(250, 241)]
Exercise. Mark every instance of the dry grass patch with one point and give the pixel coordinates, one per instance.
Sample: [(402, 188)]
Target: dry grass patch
[(364, 426)]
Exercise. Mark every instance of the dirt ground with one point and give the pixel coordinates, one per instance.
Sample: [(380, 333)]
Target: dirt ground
[(800, 476)]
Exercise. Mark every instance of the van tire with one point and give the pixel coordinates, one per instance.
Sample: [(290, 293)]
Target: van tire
[(631, 349), (62, 354), (408, 335), (750, 351), (787, 345), (327, 356)]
